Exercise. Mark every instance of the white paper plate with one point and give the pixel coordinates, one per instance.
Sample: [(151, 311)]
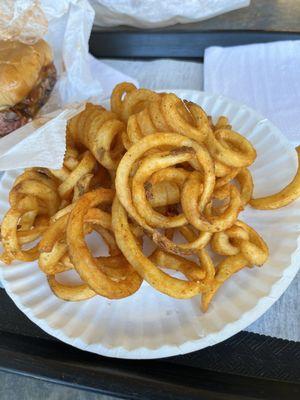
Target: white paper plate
[(152, 325)]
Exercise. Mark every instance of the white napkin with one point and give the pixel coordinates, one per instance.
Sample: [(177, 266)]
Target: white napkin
[(264, 76), (108, 76)]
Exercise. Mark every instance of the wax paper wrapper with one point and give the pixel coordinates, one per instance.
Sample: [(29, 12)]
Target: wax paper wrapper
[(66, 25), (155, 13)]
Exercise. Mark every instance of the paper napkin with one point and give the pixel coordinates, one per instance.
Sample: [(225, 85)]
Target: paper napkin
[(264, 76)]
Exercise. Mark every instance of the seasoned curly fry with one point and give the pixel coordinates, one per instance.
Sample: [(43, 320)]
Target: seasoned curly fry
[(154, 166), (286, 196), (99, 131), (83, 260)]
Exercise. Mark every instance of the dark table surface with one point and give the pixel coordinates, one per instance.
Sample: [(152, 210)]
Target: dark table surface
[(262, 21)]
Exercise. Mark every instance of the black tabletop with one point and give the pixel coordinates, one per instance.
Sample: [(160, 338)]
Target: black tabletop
[(246, 366), (262, 21)]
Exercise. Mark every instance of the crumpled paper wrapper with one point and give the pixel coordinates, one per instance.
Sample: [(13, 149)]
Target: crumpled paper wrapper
[(66, 25), (22, 20), (155, 13), (40, 143)]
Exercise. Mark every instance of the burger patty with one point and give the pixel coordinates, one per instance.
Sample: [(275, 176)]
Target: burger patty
[(10, 120), (18, 115)]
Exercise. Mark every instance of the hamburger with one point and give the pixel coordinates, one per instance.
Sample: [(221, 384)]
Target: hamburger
[(27, 77)]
